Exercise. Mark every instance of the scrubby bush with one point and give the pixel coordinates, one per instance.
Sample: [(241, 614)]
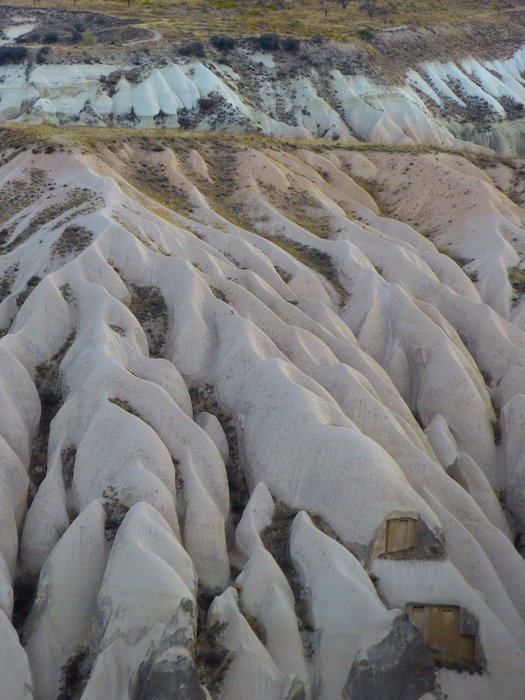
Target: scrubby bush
[(366, 34), (75, 674), (210, 103), (517, 280), (196, 48), (212, 659), (223, 43), (12, 54), (290, 44), (88, 38), (42, 54), (50, 38), (267, 42), (370, 7), (29, 38), (115, 512)]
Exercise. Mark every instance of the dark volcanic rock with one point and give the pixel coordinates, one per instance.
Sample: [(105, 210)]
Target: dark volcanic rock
[(400, 667)]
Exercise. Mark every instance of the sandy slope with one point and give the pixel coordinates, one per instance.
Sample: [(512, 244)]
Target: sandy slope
[(269, 347)]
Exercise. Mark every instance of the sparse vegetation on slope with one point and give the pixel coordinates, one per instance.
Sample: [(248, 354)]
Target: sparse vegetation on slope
[(314, 400), (331, 19)]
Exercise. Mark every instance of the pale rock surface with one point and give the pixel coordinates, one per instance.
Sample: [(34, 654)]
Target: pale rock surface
[(211, 425), (68, 586), (441, 583), (333, 106), (15, 673), (251, 660), (362, 368), (332, 575), (257, 515), (512, 424)]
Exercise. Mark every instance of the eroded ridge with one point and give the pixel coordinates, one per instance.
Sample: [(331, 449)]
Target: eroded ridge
[(261, 437), (311, 93)]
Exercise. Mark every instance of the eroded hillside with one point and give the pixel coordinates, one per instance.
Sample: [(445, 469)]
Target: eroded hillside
[(264, 420), (314, 92), (459, 84)]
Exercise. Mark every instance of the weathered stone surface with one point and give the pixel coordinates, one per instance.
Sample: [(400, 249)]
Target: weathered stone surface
[(240, 553), (400, 667)]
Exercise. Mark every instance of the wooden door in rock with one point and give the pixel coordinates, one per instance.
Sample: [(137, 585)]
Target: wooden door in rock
[(441, 629), (401, 533)]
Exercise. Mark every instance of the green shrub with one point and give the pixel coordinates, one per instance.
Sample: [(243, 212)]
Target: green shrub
[(267, 42), (88, 38), (12, 54), (366, 34), (196, 48), (223, 43), (290, 44)]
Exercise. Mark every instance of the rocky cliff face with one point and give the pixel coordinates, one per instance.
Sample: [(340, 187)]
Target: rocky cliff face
[(262, 417)]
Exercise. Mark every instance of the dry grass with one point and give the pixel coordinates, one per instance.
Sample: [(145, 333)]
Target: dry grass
[(203, 399), (124, 405), (212, 659), (315, 259), (256, 625), (48, 384), (68, 457), (90, 139), (115, 512), (75, 674), (73, 239), (75, 199), (149, 307), (517, 280), (185, 20)]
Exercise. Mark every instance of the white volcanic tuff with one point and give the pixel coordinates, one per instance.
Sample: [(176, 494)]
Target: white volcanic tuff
[(472, 390), (470, 476), (265, 592), (332, 575), (18, 420), (147, 563), (301, 407), (15, 672), (431, 358), (514, 454), (212, 426), (387, 116), (291, 373), (411, 581), (465, 471), (60, 622), (250, 658), (23, 25), (477, 570), (464, 213), (87, 418), (442, 441), (449, 72), (335, 106), (257, 515)]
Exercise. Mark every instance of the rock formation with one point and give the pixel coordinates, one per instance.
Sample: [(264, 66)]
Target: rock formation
[(260, 430), (441, 103)]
